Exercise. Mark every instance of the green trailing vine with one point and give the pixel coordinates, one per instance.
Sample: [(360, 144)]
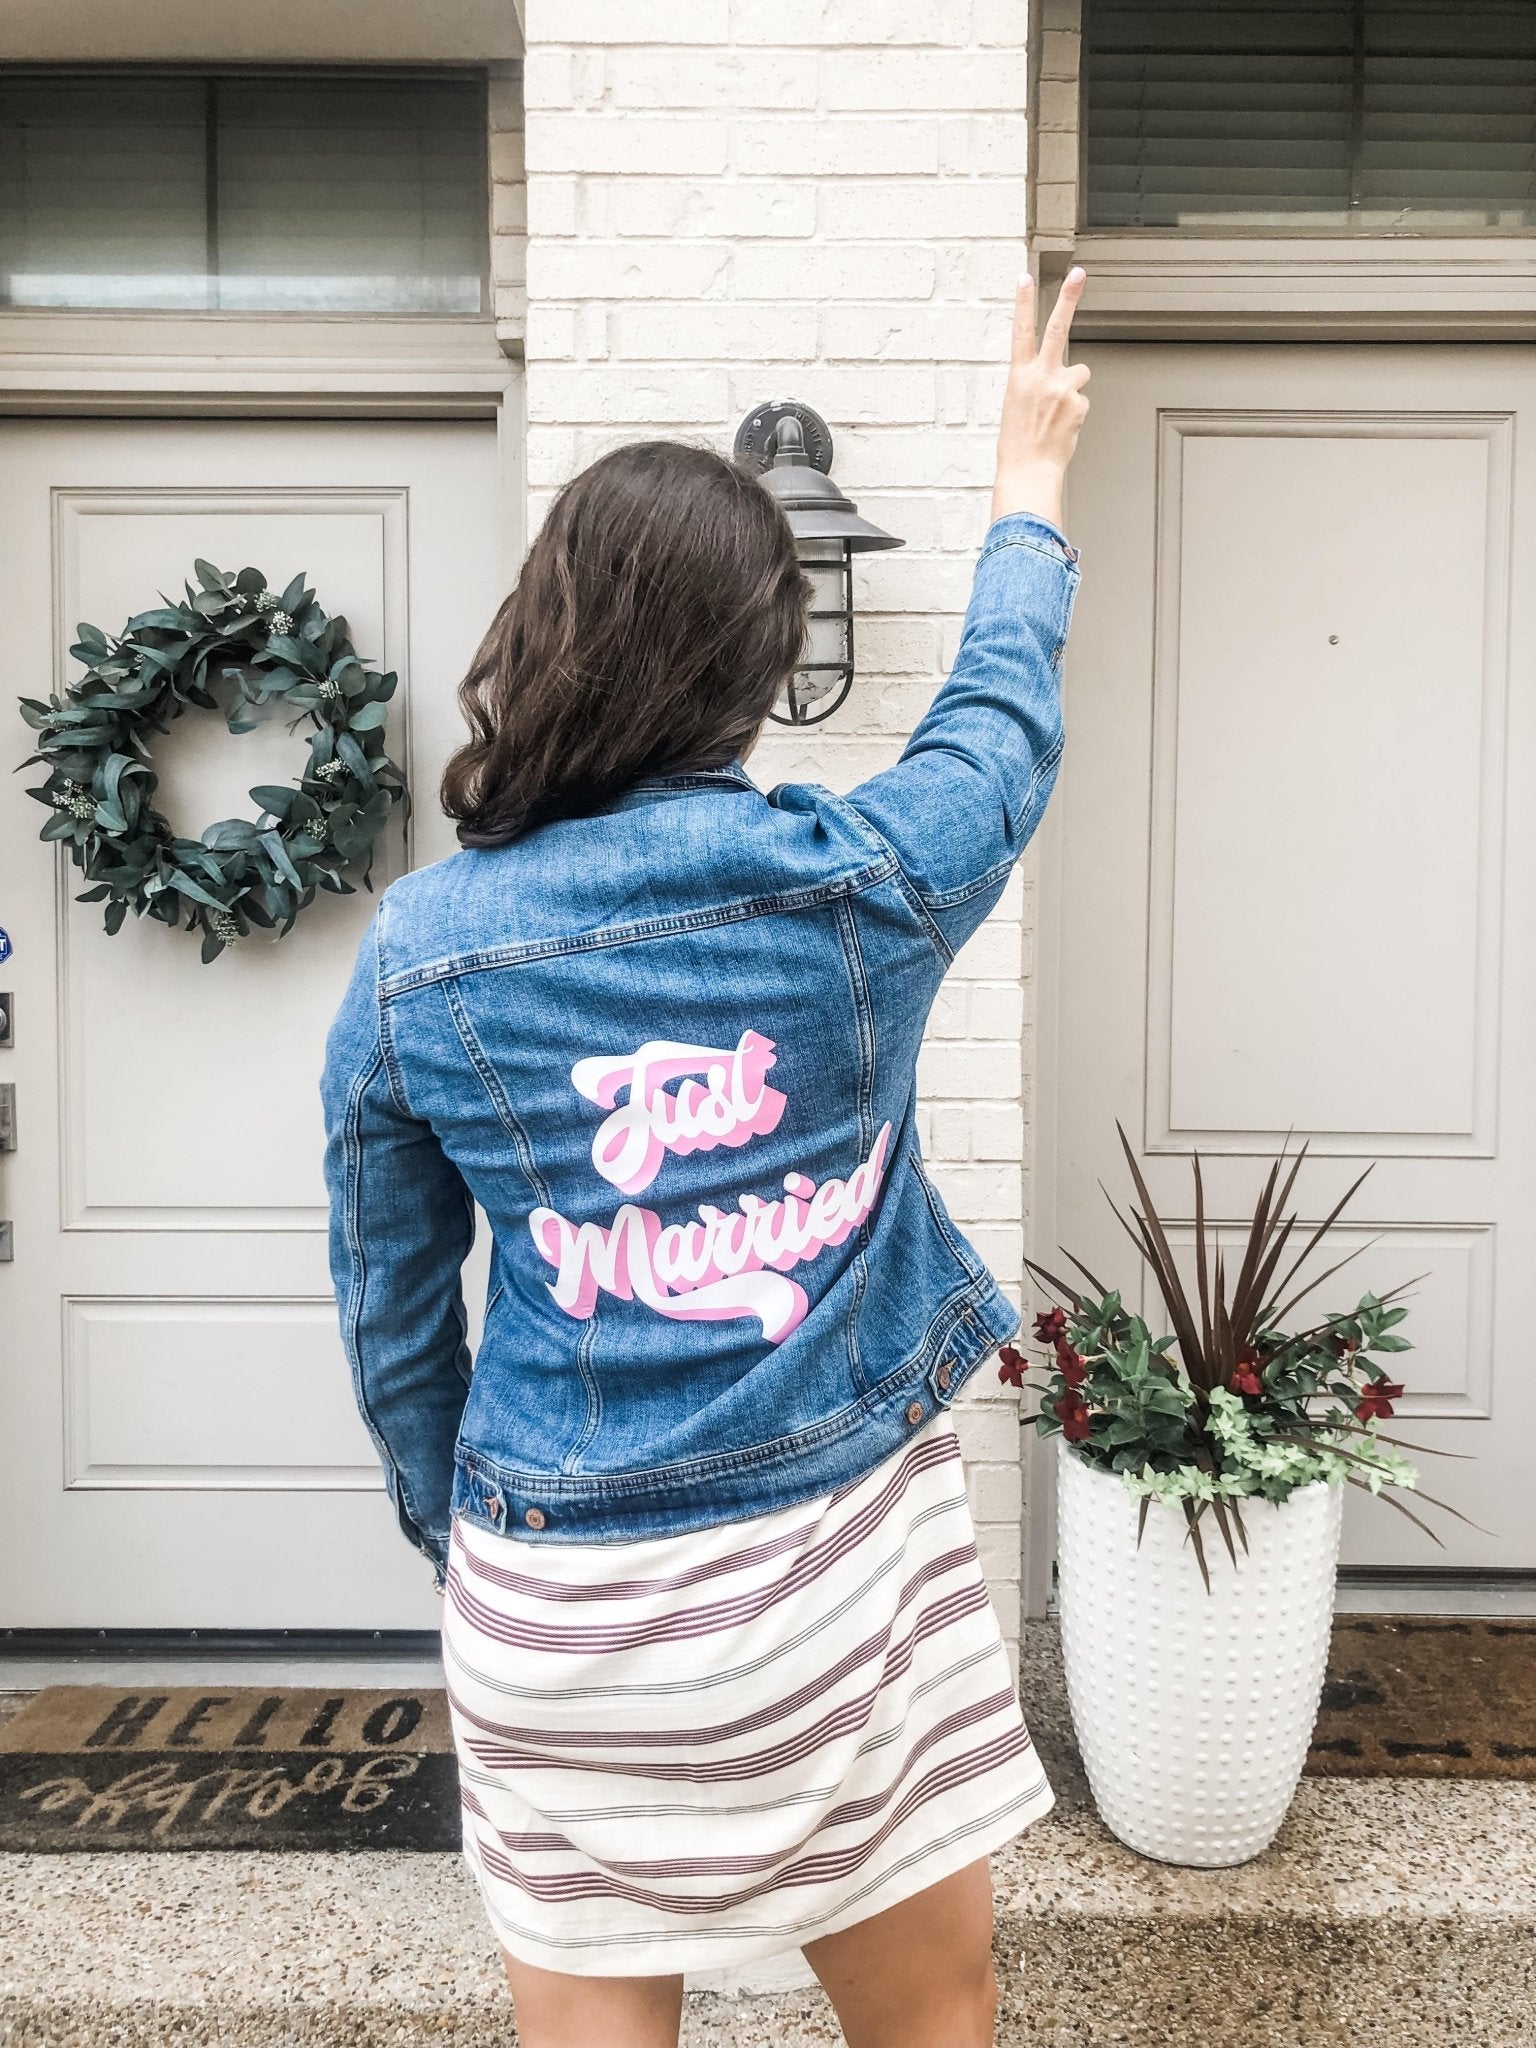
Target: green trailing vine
[(232, 648)]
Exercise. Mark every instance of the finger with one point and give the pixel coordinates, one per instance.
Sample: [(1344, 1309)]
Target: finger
[(1077, 375), (1024, 320), (1058, 328)]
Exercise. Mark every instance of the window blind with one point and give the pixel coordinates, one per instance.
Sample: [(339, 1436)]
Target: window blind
[(1342, 115), (272, 192)]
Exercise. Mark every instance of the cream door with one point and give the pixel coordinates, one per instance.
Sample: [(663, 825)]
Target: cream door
[(178, 1444), (1293, 871)]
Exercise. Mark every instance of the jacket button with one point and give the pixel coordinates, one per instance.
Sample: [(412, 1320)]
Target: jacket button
[(945, 1374), (914, 1412), (494, 1505), (534, 1517)]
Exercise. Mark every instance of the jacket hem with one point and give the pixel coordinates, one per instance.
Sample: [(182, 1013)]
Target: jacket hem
[(731, 1486)]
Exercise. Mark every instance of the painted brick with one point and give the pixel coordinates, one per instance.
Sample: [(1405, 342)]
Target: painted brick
[(984, 1071), (1056, 104), (1057, 158), (951, 208), (551, 332), (912, 79), (549, 78), (622, 394), (997, 1011), (717, 331), (552, 207), (624, 21), (996, 1492), (1061, 52), (626, 270), (995, 949), (730, 199), (920, 334), (997, 1132), (950, 1125), (640, 145), (713, 207), (841, 23), (715, 78), (865, 270), (989, 1433), (835, 149), (981, 1194), (1000, 1551)]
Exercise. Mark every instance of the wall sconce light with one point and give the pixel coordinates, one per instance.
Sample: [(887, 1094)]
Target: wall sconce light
[(792, 447)]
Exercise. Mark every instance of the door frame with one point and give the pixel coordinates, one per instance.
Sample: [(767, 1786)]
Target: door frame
[(222, 366), (1166, 286)]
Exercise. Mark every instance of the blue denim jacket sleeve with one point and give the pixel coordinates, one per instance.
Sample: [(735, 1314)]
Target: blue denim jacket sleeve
[(402, 1222), (960, 805)]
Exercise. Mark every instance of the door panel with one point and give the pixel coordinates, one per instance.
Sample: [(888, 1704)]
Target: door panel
[(178, 1441), (1293, 860)]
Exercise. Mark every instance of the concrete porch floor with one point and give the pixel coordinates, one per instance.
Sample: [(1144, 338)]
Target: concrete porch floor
[(1390, 1914)]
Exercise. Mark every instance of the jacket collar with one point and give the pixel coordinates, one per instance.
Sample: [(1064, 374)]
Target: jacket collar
[(732, 776)]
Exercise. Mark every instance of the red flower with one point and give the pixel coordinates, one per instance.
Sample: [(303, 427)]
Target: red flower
[(1011, 1366), (1071, 1364), (1071, 1410), (1375, 1403), (1245, 1373), (1050, 1326)]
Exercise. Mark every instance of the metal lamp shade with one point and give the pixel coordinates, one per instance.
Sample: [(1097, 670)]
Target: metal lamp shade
[(828, 534)]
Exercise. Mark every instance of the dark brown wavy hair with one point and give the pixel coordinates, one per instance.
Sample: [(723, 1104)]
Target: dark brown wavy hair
[(658, 615)]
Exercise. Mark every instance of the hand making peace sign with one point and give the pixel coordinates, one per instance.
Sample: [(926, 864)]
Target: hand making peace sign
[(1043, 406)]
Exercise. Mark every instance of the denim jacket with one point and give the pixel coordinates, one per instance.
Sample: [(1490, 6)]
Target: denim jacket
[(670, 1051)]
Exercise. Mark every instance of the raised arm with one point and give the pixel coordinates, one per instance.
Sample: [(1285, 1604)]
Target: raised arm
[(960, 805)]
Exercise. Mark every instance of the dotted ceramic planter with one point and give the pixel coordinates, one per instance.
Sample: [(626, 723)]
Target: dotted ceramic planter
[(1193, 1711)]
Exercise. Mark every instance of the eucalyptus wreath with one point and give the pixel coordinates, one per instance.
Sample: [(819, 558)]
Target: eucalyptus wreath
[(232, 648)]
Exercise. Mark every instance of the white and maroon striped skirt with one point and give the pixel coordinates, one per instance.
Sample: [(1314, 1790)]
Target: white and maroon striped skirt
[(699, 1751)]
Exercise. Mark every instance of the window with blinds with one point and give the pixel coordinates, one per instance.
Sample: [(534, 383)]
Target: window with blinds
[(272, 192), (1366, 116)]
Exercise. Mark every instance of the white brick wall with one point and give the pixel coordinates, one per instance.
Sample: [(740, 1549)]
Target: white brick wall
[(729, 200)]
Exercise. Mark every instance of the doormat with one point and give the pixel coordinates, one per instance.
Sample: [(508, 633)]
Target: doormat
[(1420, 1697), (92, 1767)]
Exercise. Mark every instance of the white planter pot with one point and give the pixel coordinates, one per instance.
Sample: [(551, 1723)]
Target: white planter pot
[(1193, 1710)]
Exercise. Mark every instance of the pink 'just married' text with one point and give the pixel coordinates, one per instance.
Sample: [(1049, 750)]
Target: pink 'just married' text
[(725, 1263)]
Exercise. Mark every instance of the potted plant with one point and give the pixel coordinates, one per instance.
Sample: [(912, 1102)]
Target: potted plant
[(1201, 1486)]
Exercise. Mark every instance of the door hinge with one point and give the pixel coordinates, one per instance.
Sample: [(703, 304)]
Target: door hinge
[(7, 1116), (6, 1244)]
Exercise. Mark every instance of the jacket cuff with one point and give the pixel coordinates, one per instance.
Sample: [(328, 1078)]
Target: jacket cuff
[(1033, 531)]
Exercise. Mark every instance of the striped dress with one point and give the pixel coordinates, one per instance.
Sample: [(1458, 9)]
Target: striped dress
[(699, 1751)]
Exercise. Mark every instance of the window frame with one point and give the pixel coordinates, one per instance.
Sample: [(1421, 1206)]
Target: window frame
[(1253, 283)]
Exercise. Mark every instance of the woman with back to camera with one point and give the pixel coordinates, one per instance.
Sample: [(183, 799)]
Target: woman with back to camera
[(734, 1685)]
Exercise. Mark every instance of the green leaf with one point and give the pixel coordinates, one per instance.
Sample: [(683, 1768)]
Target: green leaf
[(367, 717), (164, 618), (231, 835), (210, 577), (60, 826), (211, 949), (116, 911), (351, 753), (183, 883), (293, 596), (274, 797), (285, 867)]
